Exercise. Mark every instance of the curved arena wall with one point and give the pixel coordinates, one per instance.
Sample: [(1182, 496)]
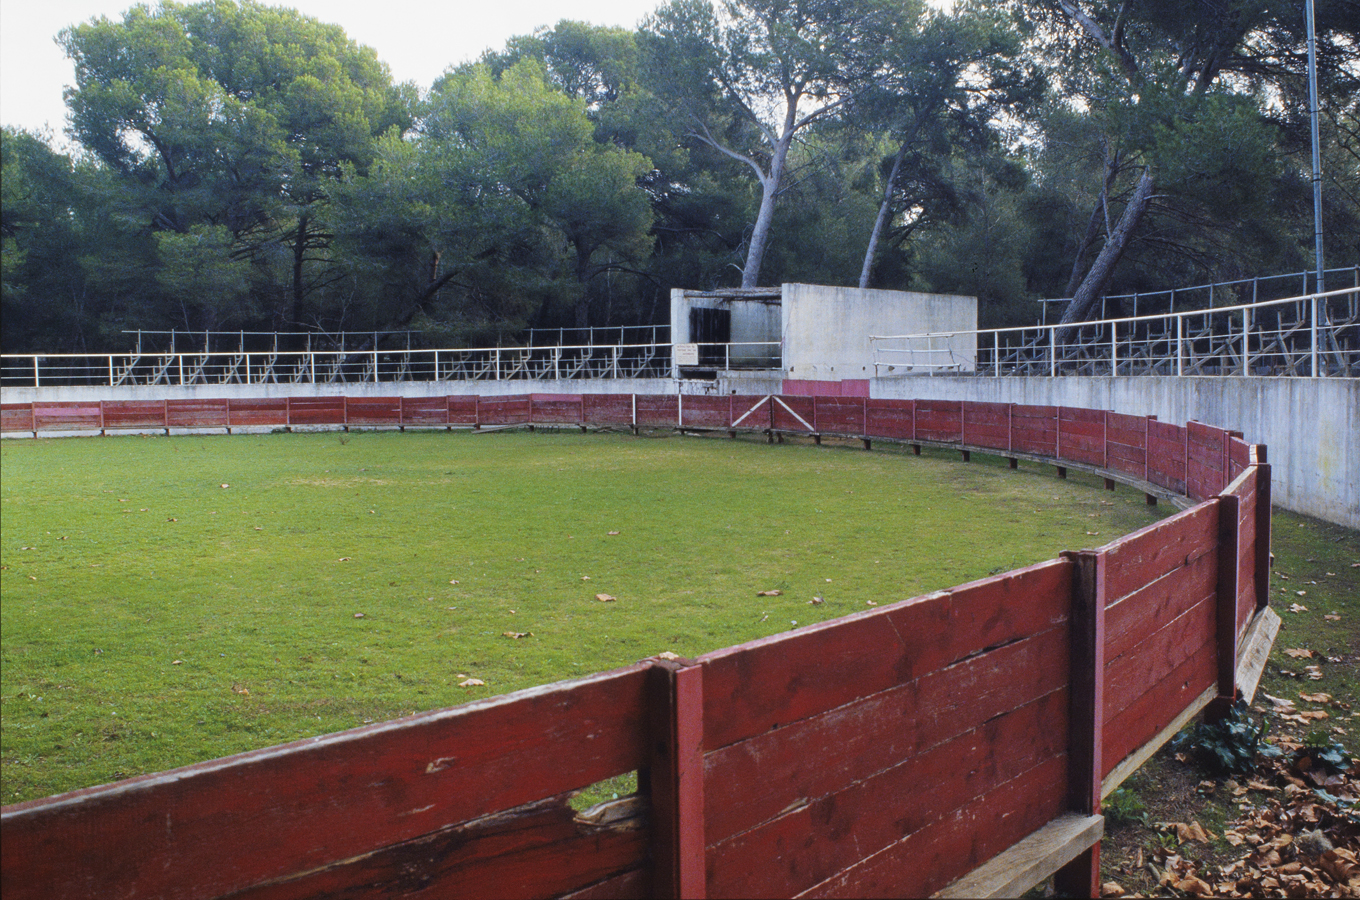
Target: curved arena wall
[(795, 764)]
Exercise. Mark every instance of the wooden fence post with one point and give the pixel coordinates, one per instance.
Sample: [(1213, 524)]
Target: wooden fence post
[(1225, 642), (676, 779), (1262, 548), (1081, 877)]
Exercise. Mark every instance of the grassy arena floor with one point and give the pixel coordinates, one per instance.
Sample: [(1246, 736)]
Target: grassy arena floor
[(169, 600)]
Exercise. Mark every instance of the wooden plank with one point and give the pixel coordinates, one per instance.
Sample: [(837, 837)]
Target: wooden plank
[(1225, 619), (753, 687), (1149, 553), (987, 425), (606, 410), (1262, 544), (1151, 660), (657, 410), (1029, 861), (316, 410), (1034, 429), (703, 411), (372, 411), (463, 409), (224, 825), (830, 833), (1132, 726), (778, 767), (949, 848), (208, 413), (637, 883), (67, 416), (538, 850), (1254, 649), (840, 415), (891, 419), (16, 417), (791, 412), (1253, 652), (257, 412), (424, 411), (134, 414), (1133, 619), (940, 421)]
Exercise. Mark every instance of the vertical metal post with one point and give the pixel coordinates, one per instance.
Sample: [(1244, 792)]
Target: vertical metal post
[(1052, 352), (1180, 368), (1246, 341), (110, 370), (1114, 348)]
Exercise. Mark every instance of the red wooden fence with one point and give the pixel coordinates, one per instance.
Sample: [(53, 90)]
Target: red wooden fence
[(905, 750)]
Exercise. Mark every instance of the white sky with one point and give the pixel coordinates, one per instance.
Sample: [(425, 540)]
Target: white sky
[(418, 39)]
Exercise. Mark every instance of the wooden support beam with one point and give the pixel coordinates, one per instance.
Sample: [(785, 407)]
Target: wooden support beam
[(1262, 548), (1081, 876), (1109, 484), (676, 778), (1062, 471), (967, 455), (1225, 628), (1029, 861), (1013, 462)]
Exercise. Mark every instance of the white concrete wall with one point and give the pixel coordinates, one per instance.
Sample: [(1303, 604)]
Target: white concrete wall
[(1311, 426), (826, 329)]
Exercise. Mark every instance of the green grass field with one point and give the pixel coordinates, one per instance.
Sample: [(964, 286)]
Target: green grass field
[(169, 600)]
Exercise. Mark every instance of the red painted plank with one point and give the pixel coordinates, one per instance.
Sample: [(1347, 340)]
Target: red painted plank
[(752, 410), (535, 851), (512, 410), (134, 414), (1081, 435), (891, 419), (463, 409), (1166, 455), (16, 417), (316, 410), (987, 425), (1132, 675), (1164, 598), (1138, 722), (703, 411), (790, 413), (426, 411), (1034, 429), (940, 421), (951, 847), (773, 770), (839, 415), (1148, 553), (821, 835), (211, 413), (637, 883), (657, 410), (257, 411), (373, 411), (777, 680), (607, 409), (224, 825), (555, 409), (68, 416)]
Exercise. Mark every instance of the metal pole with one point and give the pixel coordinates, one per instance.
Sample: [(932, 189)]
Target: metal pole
[(1317, 182)]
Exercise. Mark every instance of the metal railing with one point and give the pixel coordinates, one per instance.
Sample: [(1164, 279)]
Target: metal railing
[(1306, 335), (542, 363)]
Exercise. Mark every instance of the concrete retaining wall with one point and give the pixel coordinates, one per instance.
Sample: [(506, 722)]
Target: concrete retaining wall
[(1311, 425)]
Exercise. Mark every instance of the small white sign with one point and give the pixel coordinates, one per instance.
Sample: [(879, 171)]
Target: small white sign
[(687, 354)]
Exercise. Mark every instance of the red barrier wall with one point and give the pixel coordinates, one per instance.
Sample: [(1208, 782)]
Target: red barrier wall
[(788, 765)]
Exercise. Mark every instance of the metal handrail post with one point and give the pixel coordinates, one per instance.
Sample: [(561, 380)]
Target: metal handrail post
[(1052, 353), (1180, 349)]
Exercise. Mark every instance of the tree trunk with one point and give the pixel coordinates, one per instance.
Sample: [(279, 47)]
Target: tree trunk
[(299, 253), (1093, 285), (872, 250), (769, 189)]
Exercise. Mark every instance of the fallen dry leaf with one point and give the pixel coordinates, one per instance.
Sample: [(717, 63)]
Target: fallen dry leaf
[(517, 634), (1314, 673), (1111, 889), (1300, 653), (1332, 617), (178, 662), (358, 615), (453, 581), (1296, 608), (612, 533), (771, 593), (605, 598), (472, 682), (1315, 698), (344, 559), (667, 654), (224, 486)]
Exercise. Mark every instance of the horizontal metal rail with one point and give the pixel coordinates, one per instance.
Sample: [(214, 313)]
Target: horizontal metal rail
[(548, 363), (1307, 335)]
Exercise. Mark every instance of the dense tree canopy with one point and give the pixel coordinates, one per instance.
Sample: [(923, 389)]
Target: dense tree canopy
[(239, 166)]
